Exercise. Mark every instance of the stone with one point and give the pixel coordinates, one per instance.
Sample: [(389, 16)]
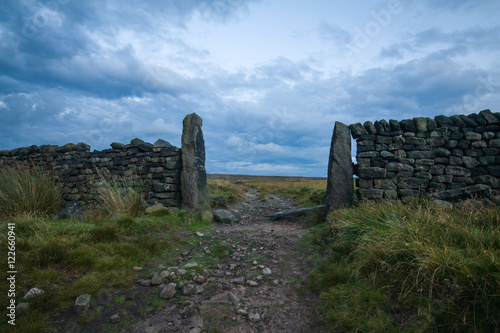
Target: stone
[(370, 194), (145, 147), (420, 124), (82, 303), (239, 280), (470, 162), (394, 125), (478, 190), (371, 172), (488, 116), (494, 143), (194, 186), (412, 183), (357, 130), (493, 170), (435, 141), (369, 127), (162, 144), (134, 143), (191, 265), (117, 145), (407, 125), (254, 318), (436, 187), (421, 154), (168, 291), (189, 289), (226, 216), (340, 187), (136, 268), (491, 181), (218, 202), (199, 279), (73, 210), (385, 184), (457, 171), (397, 166), (437, 169), (157, 209), (469, 122), (443, 121), (457, 121), (469, 204), (442, 204), (412, 140), (488, 135), (431, 124), (115, 319), (33, 292), (157, 279), (442, 152), (145, 282), (266, 271), (473, 136), (22, 308)]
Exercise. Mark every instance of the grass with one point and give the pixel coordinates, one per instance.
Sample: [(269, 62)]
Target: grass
[(229, 190), (26, 191), (307, 192), (409, 267), (70, 257), (121, 199)]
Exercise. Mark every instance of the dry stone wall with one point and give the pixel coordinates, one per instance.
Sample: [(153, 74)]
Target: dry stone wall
[(401, 159), (156, 168)]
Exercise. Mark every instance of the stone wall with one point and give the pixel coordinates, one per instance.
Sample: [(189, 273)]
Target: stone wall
[(401, 159), (156, 168)]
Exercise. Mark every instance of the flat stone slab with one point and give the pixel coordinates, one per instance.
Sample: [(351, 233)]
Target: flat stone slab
[(293, 212), (478, 190)]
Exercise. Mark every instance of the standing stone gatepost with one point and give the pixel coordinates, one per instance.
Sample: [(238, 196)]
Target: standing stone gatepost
[(194, 186), (340, 185)]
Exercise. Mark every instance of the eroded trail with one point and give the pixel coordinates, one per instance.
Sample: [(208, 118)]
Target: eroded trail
[(255, 285)]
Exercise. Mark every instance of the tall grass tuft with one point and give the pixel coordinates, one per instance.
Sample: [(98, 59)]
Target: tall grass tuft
[(441, 265), (121, 199), (26, 191)]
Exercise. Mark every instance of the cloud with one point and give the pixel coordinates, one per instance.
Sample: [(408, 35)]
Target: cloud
[(334, 33)]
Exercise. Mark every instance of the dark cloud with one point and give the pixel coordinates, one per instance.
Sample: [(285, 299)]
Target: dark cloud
[(67, 76)]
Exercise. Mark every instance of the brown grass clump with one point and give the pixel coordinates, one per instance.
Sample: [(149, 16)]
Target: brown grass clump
[(26, 191)]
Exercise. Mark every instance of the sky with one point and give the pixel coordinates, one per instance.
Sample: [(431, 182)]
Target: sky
[(268, 77)]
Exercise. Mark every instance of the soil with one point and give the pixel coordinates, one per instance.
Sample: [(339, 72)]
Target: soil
[(233, 256)]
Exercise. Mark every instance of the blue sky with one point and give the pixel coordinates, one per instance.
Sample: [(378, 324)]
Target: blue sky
[(269, 77)]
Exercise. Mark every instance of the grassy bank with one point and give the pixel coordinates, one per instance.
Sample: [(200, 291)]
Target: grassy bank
[(71, 257), (404, 268)]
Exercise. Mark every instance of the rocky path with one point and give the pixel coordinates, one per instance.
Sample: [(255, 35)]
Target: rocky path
[(257, 285)]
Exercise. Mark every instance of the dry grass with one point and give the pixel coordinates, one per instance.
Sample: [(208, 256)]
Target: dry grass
[(26, 191), (230, 191), (121, 199), (440, 265)]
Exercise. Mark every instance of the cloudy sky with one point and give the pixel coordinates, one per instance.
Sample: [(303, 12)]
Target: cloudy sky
[(269, 77)]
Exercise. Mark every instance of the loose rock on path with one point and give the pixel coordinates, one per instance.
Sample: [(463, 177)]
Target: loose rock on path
[(258, 284)]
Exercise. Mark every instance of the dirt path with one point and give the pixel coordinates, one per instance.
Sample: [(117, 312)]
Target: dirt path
[(239, 295)]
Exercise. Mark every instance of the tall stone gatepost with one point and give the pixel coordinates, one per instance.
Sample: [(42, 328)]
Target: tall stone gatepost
[(340, 185), (194, 186)]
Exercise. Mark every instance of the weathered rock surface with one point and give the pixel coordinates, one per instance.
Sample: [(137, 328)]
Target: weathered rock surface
[(74, 210), (478, 190), (195, 195), (226, 216), (82, 303), (340, 187)]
